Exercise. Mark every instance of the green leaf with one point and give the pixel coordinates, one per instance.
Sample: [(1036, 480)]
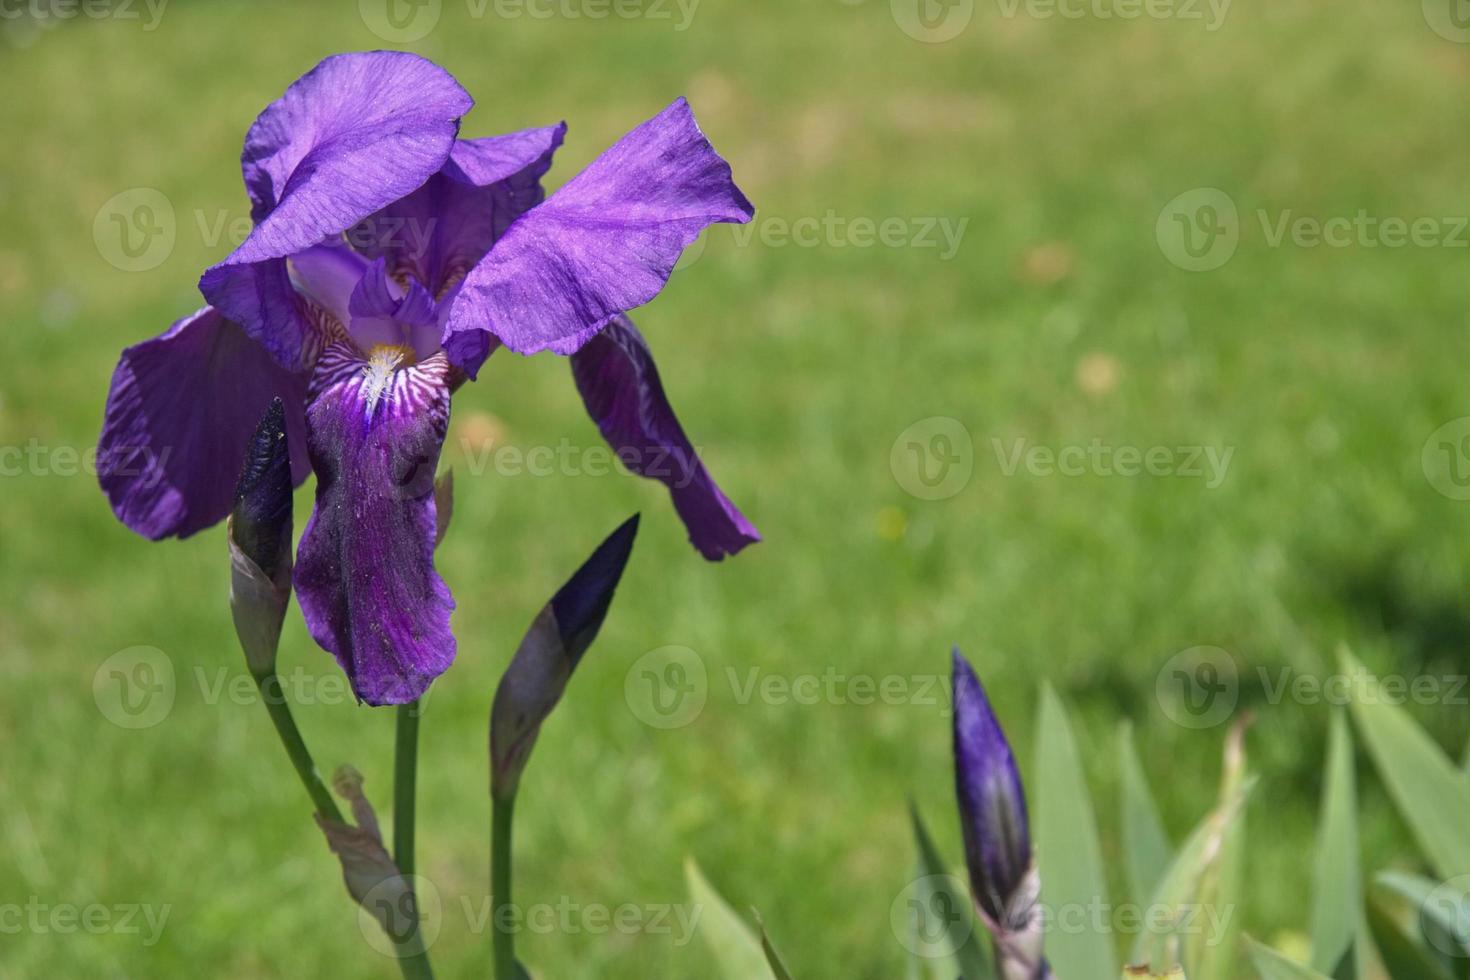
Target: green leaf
[(1211, 955), (1367, 961), (773, 958), (941, 895), (1404, 958), (1186, 885), (1430, 791), (1145, 844), (734, 946), (1073, 884), (1337, 887), (1271, 965), (1446, 906)]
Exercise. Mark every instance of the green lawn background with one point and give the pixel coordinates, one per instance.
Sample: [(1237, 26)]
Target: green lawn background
[(1059, 321)]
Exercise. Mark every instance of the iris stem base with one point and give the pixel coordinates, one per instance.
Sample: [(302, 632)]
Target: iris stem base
[(500, 893), (413, 958)]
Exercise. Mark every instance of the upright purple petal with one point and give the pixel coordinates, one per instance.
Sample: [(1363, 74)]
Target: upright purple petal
[(179, 415), (992, 802), (620, 386), (354, 134), (437, 233), (383, 312), (328, 275), (365, 573), (351, 136), (603, 244)]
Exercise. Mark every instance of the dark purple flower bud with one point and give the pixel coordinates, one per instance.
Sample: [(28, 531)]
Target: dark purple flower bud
[(992, 803), (260, 542), (581, 605), (261, 522), (549, 652)]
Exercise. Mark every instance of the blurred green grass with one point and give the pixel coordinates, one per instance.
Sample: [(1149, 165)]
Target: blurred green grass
[(1059, 321)]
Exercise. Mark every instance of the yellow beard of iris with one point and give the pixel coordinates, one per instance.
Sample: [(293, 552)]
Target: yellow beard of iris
[(383, 360)]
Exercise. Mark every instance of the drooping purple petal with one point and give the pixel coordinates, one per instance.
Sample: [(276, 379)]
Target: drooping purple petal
[(181, 409), (365, 572), (438, 232), (992, 801), (620, 386), (603, 244), (259, 297), (354, 134)]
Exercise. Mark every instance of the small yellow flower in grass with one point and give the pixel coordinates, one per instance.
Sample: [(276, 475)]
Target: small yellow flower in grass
[(892, 523), (1097, 373)]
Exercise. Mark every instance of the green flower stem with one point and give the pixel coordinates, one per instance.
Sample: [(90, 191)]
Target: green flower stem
[(405, 784), (274, 697), (505, 952), (414, 958)]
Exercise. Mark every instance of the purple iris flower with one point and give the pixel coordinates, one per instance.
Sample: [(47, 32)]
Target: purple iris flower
[(388, 260)]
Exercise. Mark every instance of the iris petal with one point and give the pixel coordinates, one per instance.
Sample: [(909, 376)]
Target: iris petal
[(328, 274), (181, 409), (351, 136), (604, 243), (438, 232), (365, 573), (620, 385)]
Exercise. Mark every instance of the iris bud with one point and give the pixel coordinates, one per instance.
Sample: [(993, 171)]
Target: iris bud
[(997, 834), (261, 522), (260, 542), (549, 652)]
